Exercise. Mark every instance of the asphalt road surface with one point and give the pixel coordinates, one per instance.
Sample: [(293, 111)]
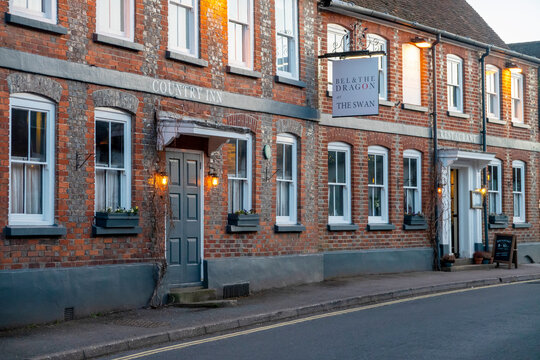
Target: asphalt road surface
[(500, 322)]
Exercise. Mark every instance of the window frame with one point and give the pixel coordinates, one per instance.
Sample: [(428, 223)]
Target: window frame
[(32, 102), (248, 184), (492, 70), (247, 37), (49, 15), (129, 21), (335, 30), (294, 63), (346, 218), (371, 40), (416, 155), (454, 60), (383, 219), (518, 164), (497, 164), (288, 139), (116, 116), (519, 78), (192, 28)]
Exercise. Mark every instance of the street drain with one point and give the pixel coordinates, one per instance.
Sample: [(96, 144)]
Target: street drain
[(140, 323), (68, 313)]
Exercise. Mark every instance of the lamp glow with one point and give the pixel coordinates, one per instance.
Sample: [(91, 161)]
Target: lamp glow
[(421, 43), (215, 181), (513, 67)]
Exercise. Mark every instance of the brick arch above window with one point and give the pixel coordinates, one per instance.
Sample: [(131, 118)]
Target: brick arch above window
[(242, 120), (289, 126), (341, 135), (34, 84), (109, 98)]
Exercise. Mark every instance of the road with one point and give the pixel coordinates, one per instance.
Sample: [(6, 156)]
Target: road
[(501, 322)]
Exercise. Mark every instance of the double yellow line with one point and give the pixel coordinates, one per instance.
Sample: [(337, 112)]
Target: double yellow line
[(306, 319)]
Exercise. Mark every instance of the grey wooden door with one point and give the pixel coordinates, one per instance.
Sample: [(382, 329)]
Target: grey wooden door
[(184, 226)]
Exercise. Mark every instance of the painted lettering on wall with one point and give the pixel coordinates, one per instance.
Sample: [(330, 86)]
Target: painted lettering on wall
[(190, 92)]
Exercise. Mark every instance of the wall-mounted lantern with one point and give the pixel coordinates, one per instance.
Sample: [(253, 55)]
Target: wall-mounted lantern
[(421, 42), (513, 67), (161, 180)]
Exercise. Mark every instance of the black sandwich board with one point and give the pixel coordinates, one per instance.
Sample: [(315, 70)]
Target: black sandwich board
[(504, 250)]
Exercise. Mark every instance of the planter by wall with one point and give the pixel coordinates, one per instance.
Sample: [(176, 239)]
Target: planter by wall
[(243, 219), (414, 220), (498, 219), (116, 220)]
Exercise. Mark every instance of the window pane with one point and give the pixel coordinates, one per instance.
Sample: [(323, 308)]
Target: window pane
[(116, 16), (231, 158), (517, 205), (280, 16), (282, 54), (17, 188), (36, 5), (414, 173), (379, 170), (288, 162), (100, 190), (331, 207), (495, 178), (19, 134), (112, 189), (33, 189), (289, 17), (338, 200), (243, 10), (242, 158), (375, 201), (332, 159), (341, 167), (410, 195), (406, 179), (492, 203), (283, 198), (280, 161), (233, 9), (102, 143), (117, 145), (371, 169), (38, 121)]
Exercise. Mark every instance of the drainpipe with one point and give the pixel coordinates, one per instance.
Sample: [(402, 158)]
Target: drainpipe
[(484, 144), (435, 147)]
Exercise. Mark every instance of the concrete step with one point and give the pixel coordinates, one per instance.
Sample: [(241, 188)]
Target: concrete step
[(207, 304), (191, 295), (463, 261), (469, 267)]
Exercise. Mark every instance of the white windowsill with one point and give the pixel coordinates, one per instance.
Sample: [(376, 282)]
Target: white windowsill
[(495, 121), (520, 125)]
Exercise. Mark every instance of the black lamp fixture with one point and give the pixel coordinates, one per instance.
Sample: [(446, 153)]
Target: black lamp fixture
[(421, 42), (357, 54), (513, 67)]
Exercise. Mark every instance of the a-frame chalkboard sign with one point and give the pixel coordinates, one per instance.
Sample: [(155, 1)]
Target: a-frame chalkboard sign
[(504, 250)]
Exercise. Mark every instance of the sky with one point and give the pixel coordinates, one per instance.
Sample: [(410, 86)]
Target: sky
[(513, 20)]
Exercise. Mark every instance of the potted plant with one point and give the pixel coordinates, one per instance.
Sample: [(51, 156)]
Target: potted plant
[(118, 218), (448, 260), (243, 218), (498, 218), (414, 219), (478, 257)]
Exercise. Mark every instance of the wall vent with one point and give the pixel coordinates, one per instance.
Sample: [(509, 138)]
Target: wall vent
[(68, 313), (235, 290)]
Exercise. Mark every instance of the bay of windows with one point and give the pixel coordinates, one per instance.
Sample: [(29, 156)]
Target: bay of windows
[(377, 185), (339, 183), (286, 179), (518, 190), (494, 187), (183, 24), (454, 83), (31, 160), (286, 38), (115, 18), (492, 91), (412, 180), (378, 43), (240, 30), (113, 160)]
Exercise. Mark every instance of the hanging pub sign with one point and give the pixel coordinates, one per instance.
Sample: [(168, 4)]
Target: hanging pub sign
[(355, 87)]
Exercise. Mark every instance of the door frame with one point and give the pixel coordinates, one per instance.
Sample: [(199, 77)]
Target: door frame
[(201, 202)]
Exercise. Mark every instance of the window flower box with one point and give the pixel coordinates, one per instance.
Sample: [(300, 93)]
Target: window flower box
[(116, 220), (498, 219), (414, 219), (243, 220)]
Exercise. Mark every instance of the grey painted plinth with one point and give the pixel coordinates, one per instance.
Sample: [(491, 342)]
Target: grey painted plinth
[(528, 252), (264, 272), (350, 263), (41, 295)]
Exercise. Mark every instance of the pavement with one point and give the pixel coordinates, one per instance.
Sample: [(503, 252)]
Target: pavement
[(106, 334)]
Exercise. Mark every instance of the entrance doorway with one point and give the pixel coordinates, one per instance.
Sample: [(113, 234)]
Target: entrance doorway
[(184, 228), (454, 211)]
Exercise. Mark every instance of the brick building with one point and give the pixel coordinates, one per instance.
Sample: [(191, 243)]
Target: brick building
[(101, 101)]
